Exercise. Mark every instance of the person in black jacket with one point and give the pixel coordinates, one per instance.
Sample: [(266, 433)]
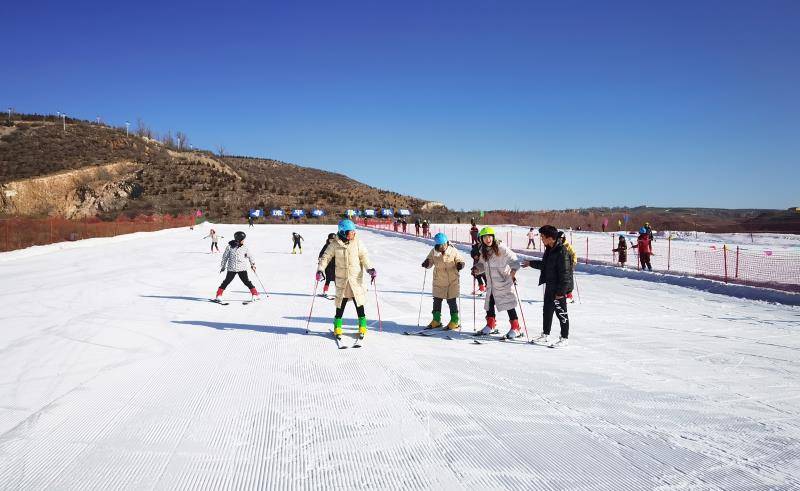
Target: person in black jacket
[(330, 269), (556, 275)]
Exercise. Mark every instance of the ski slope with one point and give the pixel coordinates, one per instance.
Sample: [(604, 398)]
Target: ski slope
[(117, 373)]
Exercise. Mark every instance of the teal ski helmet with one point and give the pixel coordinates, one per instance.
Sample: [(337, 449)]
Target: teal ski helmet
[(346, 226), (440, 239)]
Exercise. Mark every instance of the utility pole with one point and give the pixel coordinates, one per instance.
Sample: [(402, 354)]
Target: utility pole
[(127, 126), (64, 120), (9, 113)]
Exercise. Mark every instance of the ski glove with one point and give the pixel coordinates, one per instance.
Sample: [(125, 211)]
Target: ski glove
[(459, 266), (372, 274), (221, 270), (320, 276), (425, 263)]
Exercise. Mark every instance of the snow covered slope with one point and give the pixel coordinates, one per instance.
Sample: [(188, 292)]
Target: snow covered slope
[(116, 372)]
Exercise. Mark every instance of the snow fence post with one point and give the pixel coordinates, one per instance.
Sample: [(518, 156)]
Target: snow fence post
[(669, 250), (725, 260), (737, 262), (587, 249)]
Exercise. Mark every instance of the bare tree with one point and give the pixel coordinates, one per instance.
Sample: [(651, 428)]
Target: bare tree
[(167, 140), (183, 140), (142, 129), (221, 150)]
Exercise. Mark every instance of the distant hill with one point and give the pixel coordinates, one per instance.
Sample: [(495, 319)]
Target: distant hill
[(92, 169)]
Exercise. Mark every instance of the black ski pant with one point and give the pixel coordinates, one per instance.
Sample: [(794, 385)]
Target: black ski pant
[(359, 309), (644, 258), (512, 313), (296, 244), (214, 246), (451, 302), (553, 305), (242, 276), (531, 241)]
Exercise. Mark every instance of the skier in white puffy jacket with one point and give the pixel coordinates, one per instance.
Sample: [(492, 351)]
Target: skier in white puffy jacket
[(500, 265), (235, 260)]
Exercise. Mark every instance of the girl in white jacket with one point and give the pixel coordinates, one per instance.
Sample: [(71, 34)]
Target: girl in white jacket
[(500, 265), (235, 260)]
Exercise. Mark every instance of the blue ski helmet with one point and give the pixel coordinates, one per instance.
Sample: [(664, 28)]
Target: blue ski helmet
[(440, 239), (642, 230), (346, 226)]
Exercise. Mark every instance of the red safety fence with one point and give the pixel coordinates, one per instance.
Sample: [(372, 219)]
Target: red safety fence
[(762, 267), (19, 233)]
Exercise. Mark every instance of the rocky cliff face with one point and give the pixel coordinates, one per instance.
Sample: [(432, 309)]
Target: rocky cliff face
[(73, 194)]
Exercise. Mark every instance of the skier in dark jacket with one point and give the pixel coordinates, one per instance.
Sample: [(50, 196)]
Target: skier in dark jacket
[(416, 226), (296, 238), (621, 250), (473, 234), (556, 275), (330, 269)]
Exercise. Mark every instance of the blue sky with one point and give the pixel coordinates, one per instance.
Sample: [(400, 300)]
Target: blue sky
[(529, 105)]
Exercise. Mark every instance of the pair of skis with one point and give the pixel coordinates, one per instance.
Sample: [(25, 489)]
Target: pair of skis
[(340, 344), (220, 302)]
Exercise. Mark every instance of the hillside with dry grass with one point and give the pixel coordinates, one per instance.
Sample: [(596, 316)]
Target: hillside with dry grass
[(162, 177)]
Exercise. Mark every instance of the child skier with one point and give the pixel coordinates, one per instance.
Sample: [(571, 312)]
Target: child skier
[(235, 260), (296, 238), (556, 275), (475, 254), (500, 265), (446, 263), (473, 233), (426, 228), (330, 269), (351, 261), (621, 250), (531, 239), (643, 245), (213, 234)]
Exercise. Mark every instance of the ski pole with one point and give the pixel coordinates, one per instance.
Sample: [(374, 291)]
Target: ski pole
[(521, 312), (474, 312), (313, 298), (377, 305), (261, 283), (421, 293), (577, 289)]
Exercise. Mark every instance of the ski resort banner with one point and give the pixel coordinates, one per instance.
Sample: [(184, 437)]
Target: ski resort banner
[(387, 212), (298, 213), (404, 212), (256, 213), (276, 213), (316, 213), (369, 213), (352, 213)]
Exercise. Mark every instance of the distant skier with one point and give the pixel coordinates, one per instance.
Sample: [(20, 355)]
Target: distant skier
[(500, 265), (645, 249), (250, 220), (330, 269), (473, 233), (235, 260), (404, 223), (531, 238), (296, 238), (213, 234), (556, 274), (416, 226), (446, 263), (352, 261), (475, 254), (621, 250), (426, 227), (396, 224)]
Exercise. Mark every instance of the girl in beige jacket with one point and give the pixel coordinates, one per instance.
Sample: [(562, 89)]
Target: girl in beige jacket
[(446, 263)]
